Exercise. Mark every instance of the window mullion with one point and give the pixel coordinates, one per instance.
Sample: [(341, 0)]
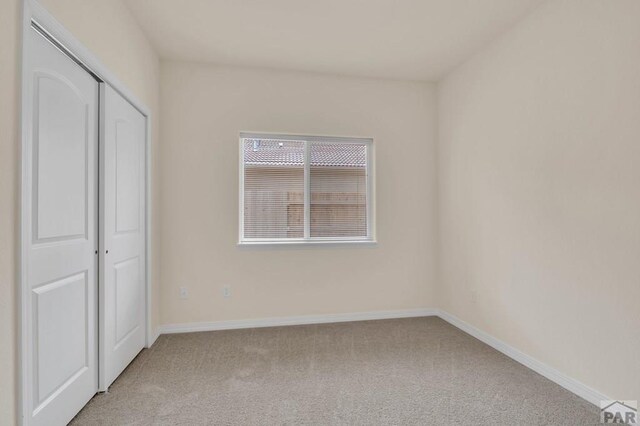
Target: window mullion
[(307, 190)]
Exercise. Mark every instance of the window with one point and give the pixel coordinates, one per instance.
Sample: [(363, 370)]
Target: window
[(305, 189)]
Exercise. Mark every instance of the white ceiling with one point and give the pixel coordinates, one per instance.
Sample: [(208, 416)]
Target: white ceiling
[(399, 39)]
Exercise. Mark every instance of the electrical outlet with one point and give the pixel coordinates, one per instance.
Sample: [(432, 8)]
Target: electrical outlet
[(226, 291), (184, 294)]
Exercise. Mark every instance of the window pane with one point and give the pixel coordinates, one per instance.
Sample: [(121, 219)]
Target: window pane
[(273, 188), (338, 183)]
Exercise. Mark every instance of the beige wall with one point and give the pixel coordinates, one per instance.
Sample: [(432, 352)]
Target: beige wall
[(9, 120), (203, 109), (539, 173), (109, 31)]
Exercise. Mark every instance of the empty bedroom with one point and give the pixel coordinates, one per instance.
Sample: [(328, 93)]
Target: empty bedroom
[(334, 212)]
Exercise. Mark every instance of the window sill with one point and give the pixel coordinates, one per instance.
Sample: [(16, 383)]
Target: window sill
[(301, 244)]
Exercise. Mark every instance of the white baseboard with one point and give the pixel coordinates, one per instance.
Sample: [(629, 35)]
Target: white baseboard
[(539, 367), (298, 320), (154, 336), (572, 385)]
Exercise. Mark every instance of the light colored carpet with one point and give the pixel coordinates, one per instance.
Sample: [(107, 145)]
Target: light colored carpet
[(401, 372)]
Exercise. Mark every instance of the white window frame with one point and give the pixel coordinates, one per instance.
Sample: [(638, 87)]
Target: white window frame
[(307, 239)]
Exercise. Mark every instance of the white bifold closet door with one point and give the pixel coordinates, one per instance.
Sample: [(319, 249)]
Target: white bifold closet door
[(122, 237), (60, 235)]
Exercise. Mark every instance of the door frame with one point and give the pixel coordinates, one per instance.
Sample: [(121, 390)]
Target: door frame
[(34, 12)]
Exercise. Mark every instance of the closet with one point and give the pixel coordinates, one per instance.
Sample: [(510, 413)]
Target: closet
[(83, 233)]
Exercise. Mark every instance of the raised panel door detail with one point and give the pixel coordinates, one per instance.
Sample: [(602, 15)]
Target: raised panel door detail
[(60, 169), (127, 288), (60, 336), (127, 178)]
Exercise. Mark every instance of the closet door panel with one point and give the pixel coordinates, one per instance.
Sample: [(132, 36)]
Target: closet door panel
[(60, 240), (123, 233)]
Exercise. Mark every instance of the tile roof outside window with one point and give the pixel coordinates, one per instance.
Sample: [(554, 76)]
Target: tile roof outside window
[(270, 152)]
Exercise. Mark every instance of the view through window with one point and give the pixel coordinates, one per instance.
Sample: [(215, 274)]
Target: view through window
[(305, 189)]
